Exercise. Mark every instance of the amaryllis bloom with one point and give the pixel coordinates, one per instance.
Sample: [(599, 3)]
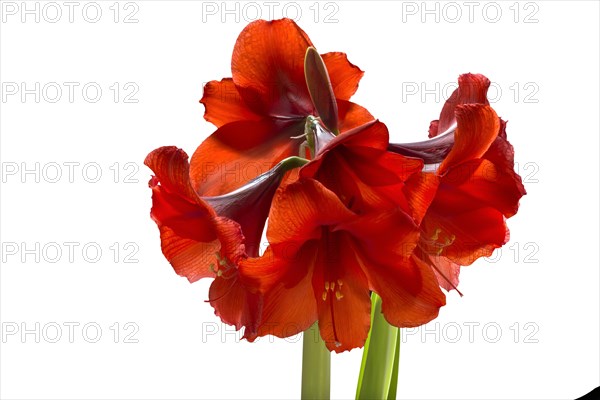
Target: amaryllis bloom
[(472, 165), (324, 260), (262, 110), (209, 236)]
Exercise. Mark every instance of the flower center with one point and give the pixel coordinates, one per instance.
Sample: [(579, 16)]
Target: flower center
[(317, 136), (224, 268), (438, 241)]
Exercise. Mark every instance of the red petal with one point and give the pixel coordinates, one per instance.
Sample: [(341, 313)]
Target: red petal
[(487, 183), (477, 128), (383, 236), (461, 227), (507, 181), (352, 115), (268, 68), (384, 244), (344, 75), (342, 293), (420, 190), (234, 304), (445, 270), (358, 168), (223, 103), (472, 89), (409, 290), (189, 258), (299, 211), (171, 167), (289, 306), (241, 151)]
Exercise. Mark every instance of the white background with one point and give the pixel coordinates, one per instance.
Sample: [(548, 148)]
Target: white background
[(534, 312)]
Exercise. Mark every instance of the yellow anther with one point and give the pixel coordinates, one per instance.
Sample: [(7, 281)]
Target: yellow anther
[(219, 273), (332, 286), (324, 296), (212, 268), (326, 286), (338, 295), (340, 282), (436, 235)]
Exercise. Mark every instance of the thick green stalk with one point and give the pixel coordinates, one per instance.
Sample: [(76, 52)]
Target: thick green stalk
[(316, 365), (379, 368)]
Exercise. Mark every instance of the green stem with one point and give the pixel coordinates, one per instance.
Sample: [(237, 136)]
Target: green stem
[(379, 369), (316, 365)]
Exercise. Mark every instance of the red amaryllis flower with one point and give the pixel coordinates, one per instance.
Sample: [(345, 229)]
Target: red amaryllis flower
[(478, 188), (209, 236), (323, 261), (261, 111)]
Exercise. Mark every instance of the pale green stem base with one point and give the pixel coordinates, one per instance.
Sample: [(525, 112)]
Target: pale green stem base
[(379, 369), (316, 365)]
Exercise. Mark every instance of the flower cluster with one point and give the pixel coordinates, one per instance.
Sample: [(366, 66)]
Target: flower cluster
[(348, 212)]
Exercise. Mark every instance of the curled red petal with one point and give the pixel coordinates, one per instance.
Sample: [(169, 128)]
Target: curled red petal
[(477, 128), (191, 233), (472, 89), (344, 75), (223, 103)]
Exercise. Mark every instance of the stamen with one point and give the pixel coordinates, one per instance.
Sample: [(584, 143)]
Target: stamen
[(324, 296), (339, 295)]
